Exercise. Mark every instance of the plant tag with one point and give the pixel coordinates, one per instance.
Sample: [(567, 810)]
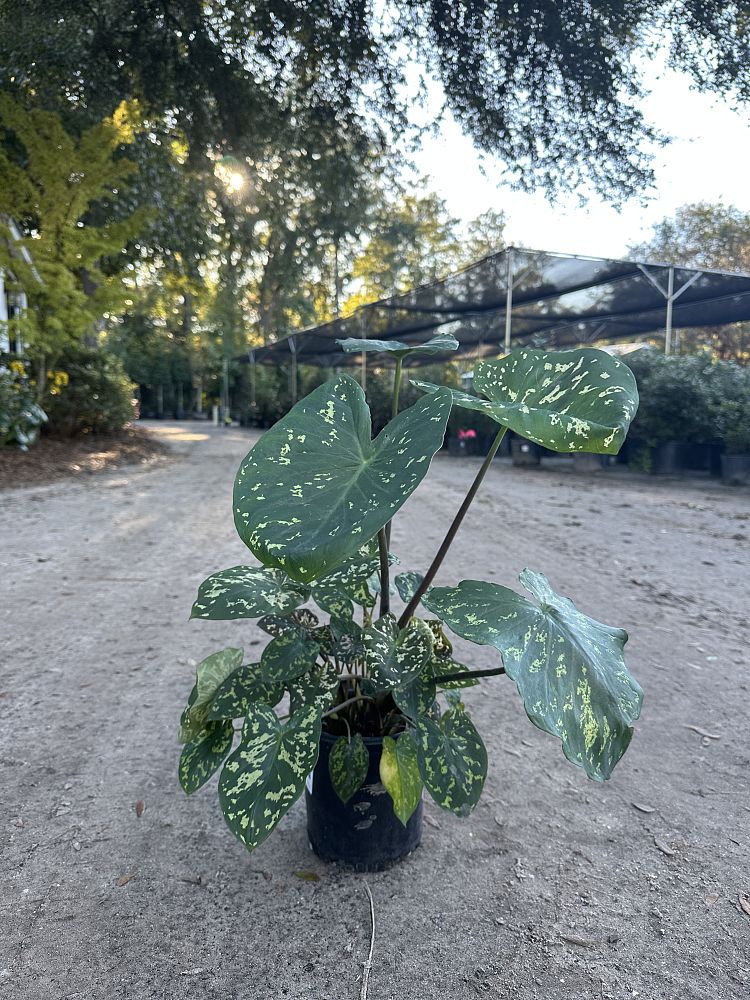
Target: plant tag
[(308, 783)]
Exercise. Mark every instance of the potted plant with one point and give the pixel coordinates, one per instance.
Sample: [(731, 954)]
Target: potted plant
[(375, 711)]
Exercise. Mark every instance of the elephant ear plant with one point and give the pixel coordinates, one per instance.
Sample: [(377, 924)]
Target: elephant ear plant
[(313, 501)]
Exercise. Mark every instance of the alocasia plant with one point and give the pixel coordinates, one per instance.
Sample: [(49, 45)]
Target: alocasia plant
[(313, 501)]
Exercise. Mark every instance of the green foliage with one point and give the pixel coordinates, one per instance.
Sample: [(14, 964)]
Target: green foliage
[(94, 395), (313, 499), (347, 765), (20, 416)]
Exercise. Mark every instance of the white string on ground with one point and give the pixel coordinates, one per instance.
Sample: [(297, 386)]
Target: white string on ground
[(368, 964)]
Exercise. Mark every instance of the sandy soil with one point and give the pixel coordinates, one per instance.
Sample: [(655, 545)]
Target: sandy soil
[(554, 888)]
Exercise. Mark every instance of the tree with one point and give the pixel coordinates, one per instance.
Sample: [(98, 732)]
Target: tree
[(553, 88), (51, 188), (714, 236)]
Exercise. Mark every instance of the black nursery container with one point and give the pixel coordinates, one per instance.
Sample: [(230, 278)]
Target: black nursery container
[(364, 834)]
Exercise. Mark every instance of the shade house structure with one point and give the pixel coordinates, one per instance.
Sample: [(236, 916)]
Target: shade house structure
[(519, 297)]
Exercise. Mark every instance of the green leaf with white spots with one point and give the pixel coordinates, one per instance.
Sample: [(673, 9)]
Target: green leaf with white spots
[(335, 592), (569, 668), (204, 754), (247, 592), (318, 687), (399, 773), (438, 344), (266, 774), (417, 696), (407, 584), (245, 686), (342, 639), (210, 673), (581, 400), (277, 625), (452, 760), (347, 765), (288, 656), (315, 485), (395, 656)]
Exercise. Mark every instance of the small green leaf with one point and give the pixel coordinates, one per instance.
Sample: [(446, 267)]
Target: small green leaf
[(204, 755), (568, 668), (318, 687), (266, 774), (417, 697), (436, 345), (581, 400), (399, 773), (407, 584), (395, 656), (288, 656), (315, 486), (247, 592), (452, 761), (210, 673), (347, 765), (245, 686)]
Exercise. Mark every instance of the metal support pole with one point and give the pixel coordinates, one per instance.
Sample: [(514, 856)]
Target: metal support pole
[(363, 376), (670, 303), (253, 403), (508, 297), (225, 392), (293, 375)]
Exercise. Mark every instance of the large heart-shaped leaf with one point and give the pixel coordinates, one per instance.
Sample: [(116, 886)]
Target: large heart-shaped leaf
[(266, 774), (245, 686), (452, 760), (204, 754), (210, 673), (582, 400), (347, 765), (395, 656), (438, 344), (247, 592), (315, 487), (399, 773), (569, 668)]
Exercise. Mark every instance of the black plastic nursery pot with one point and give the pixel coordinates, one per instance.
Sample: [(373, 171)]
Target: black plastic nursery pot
[(735, 469), (364, 834)]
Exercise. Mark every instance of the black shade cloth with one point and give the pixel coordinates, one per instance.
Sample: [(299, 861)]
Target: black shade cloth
[(558, 300)]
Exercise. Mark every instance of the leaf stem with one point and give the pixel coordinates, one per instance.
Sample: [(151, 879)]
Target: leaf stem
[(345, 704), (463, 674), (385, 583), (394, 414), (452, 531)]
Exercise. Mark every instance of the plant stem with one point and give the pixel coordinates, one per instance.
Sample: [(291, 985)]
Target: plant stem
[(452, 531), (394, 414), (385, 583), (463, 674), (344, 704)]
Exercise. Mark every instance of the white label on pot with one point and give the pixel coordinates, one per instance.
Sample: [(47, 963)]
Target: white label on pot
[(308, 783)]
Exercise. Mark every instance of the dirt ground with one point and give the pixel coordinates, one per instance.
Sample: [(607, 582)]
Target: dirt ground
[(555, 887), (53, 458)]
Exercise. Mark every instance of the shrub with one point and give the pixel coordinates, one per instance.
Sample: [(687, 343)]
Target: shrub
[(20, 415), (97, 395)]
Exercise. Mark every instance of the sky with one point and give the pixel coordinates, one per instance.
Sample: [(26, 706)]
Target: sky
[(708, 160)]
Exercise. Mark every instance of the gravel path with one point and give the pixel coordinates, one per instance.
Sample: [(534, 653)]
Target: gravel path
[(554, 888)]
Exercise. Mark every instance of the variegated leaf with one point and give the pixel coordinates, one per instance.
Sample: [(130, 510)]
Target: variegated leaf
[(581, 400), (399, 773), (266, 774), (317, 687), (416, 697), (395, 656), (406, 585), (244, 687), (316, 486), (452, 760), (335, 592), (438, 344), (348, 762), (569, 668), (210, 673), (204, 754), (289, 655), (247, 592)]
